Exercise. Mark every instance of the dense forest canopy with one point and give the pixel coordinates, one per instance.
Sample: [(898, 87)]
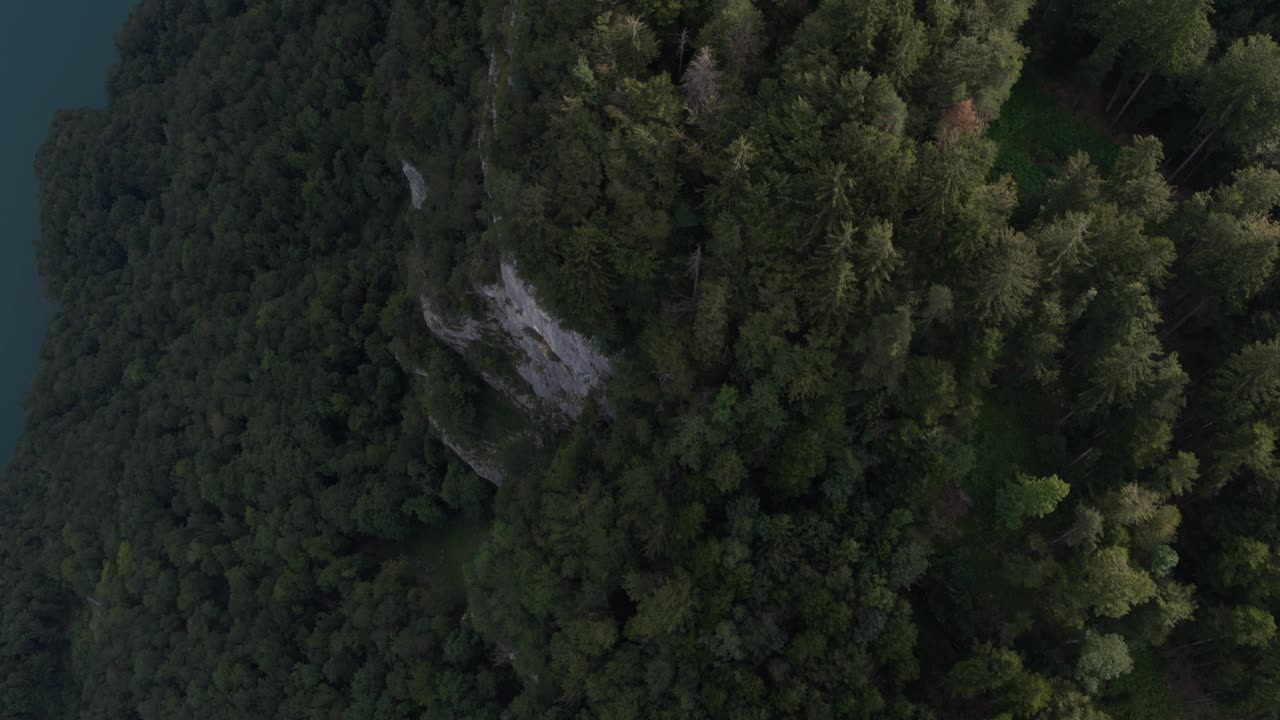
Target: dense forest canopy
[(942, 379)]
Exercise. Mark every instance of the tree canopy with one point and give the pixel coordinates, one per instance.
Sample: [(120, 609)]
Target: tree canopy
[(886, 431)]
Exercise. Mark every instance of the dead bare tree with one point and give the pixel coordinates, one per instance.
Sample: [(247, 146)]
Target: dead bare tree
[(633, 25), (701, 84), (682, 42), (743, 44), (695, 269), (501, 656)]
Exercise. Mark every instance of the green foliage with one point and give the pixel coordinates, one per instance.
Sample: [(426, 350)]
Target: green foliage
[(1029, 497), (1240, 94), (1247, 626), (999, 673), (1170, 38), (238, 454), (1102, 658), (856, 368), (1143, 693), (1036, 135), (1232, 243), (1163, 560), (1111, 585)]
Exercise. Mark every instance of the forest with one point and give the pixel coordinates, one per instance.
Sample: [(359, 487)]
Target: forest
[(942, 379)]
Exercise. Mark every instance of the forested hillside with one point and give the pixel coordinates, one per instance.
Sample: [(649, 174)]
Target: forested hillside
[(912, 359)]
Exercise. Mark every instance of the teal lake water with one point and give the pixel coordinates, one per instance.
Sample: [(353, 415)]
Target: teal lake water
[(53, 54)]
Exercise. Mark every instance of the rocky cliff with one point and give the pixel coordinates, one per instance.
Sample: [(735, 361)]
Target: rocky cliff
[(559, 367), (542, 368), (417, 185), (508, 339), (548, 371)]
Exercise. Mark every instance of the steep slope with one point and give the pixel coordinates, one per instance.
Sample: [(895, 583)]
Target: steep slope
[(777, 398)]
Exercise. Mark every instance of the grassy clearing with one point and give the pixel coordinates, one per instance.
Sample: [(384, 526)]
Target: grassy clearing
[(1143, 694), (1005, 438), (1036, 135), (441, 554), (1006, 433)]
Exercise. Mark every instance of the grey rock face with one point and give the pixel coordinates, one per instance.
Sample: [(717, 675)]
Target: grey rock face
[(561, 367), (478, 459), (542, 367), (417, 186), (473, 458), (457, 335)]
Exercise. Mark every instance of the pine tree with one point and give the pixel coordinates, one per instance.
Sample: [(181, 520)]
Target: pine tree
[(1063, 243), (1248, 383), (1136, 183), (1240, 98), (1029, 497), (1109, 585), (1169, 38), (1006, 279)]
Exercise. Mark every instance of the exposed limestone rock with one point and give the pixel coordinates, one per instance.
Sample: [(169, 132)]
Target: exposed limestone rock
[(526, 401), (511, 42), (417, 186), (493, 93), (457, 336), (561, 367), (474, 459), (480, 461)]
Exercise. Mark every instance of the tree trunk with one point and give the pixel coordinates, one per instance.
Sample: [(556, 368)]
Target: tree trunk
[(695, 270), (1083, 455), (1195, 152), (1197, 643), (1200, 161), (1200, 122), (1175, 301), (1116, 94), (684, 42), (1134, 94), (1059, 539), (1183, 320)]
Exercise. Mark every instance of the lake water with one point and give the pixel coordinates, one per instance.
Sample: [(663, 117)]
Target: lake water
[(53, 54)]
